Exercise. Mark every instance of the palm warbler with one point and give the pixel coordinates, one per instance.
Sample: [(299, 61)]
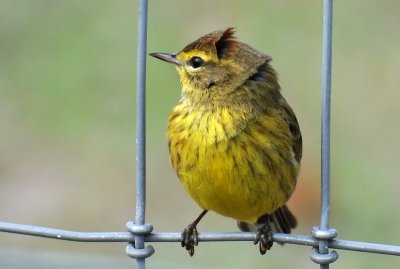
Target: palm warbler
[(233, 139)]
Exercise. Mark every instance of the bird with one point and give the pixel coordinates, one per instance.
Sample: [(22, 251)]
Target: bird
[(234, 141)]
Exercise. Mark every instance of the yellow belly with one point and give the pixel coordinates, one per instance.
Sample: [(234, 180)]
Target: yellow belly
[(243, 175)]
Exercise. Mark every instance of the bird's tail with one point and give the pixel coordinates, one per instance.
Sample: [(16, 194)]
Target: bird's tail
[(281, 221)]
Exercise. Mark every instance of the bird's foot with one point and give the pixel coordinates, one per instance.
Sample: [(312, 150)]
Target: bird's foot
[(189, 238), (264, 238)]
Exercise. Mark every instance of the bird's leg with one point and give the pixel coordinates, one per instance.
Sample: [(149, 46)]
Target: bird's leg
[(189, 234), (264, 237)]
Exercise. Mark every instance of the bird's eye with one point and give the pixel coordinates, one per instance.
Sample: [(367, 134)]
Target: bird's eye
[(196, 62)]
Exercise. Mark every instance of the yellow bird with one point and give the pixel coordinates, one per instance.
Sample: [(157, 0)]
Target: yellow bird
[(234, 141)]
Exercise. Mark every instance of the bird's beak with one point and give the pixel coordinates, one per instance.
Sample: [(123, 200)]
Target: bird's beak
[(167, 57)]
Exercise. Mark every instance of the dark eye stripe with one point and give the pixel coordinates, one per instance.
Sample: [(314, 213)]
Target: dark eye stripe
[(196, 62)]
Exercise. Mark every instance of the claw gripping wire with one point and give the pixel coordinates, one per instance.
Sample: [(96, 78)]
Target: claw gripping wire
[(139, 230)]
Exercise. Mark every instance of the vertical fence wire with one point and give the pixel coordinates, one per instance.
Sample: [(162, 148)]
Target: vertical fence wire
[(141, 115), (326, 115), (323, 233), (141, 127)]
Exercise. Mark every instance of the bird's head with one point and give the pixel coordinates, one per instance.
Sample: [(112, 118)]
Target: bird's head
[(215, 64)]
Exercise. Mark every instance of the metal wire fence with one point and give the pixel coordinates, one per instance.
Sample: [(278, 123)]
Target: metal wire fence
[(322, 238)]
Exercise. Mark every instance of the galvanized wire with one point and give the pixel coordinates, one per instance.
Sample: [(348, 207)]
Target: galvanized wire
[(296, 239), (141, 115), (326, 115), (138, 228), (321, 254)]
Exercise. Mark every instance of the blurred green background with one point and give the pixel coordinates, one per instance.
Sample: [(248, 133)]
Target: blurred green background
[(67, 121)]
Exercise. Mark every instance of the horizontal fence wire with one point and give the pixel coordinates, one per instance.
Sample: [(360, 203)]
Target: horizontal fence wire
[(296, 239)]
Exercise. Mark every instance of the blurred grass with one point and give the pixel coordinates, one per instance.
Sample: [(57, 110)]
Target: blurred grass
[(67, 119)]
